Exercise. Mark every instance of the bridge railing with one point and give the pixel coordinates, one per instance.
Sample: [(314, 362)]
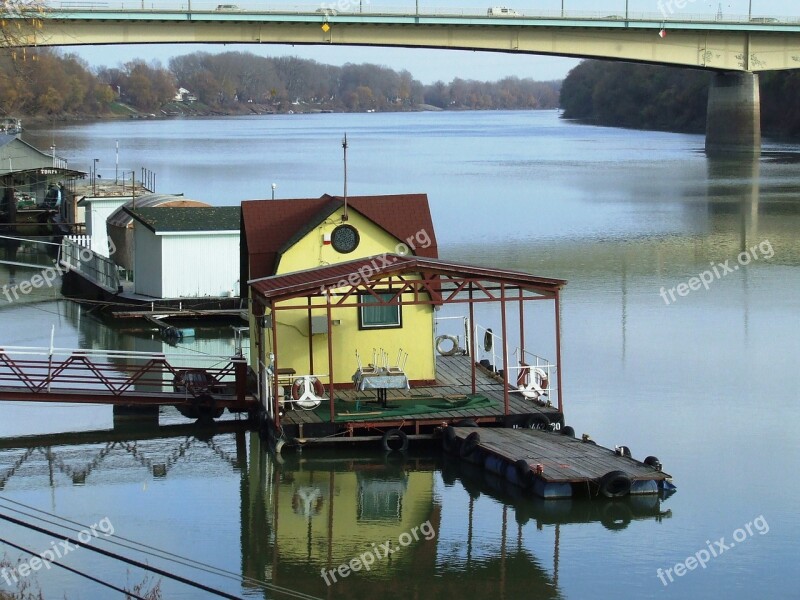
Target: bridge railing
[(355, 7)]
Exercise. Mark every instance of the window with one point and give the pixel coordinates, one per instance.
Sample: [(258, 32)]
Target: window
[(380, 315)]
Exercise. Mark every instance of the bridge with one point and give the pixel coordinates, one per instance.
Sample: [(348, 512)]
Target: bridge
[(735, 47)]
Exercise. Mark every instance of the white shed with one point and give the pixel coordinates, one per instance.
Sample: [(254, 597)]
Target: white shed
[(186, 252), (97, 210)]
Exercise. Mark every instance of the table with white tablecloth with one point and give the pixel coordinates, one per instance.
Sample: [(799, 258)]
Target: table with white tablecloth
[(381, 380)]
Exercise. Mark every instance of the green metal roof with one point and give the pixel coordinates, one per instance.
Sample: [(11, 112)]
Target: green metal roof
[(187, 219)]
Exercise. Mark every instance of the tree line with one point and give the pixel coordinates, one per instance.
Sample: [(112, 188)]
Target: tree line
[(49, 83), (667, 98)]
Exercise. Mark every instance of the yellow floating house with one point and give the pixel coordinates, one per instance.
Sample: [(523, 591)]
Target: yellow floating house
[(288, 236), (344, 296)]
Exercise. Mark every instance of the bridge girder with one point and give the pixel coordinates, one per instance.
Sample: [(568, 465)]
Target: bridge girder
[(720, 49)]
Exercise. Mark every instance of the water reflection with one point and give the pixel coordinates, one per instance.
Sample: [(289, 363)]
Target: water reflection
[(322, 510)]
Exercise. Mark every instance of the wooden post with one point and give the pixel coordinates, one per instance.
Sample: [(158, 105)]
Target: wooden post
[(505, 346), (240, 369), (473, 354), (558, 350), (330, 353)]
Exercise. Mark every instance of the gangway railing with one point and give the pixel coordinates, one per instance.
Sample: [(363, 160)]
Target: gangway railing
[(98, 269), (48, 371)]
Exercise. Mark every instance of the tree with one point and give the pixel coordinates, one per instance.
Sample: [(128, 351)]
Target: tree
[(19, 22)]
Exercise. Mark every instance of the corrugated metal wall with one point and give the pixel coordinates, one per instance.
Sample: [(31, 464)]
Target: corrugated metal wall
[(200, 265)]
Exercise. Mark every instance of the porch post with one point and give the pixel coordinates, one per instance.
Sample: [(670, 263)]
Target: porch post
[(275, 404), (330, 353), (521, 325), (260, 354), (310, 341), (558, 349), (504, 333), (473, 353)]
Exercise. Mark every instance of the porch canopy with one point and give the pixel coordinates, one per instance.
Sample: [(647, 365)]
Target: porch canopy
[(412, 280)]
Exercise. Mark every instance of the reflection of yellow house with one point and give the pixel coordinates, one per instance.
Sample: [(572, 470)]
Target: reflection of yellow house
[(291, 236), (350, 510)]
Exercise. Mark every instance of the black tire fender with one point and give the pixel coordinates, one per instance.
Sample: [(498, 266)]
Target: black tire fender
[(615, 484), (653, 461), (537, 421), (470, 444), (449, 440), (524, 473), (390, 439)]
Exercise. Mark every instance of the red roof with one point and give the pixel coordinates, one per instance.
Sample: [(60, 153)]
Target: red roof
[(267, 225), (314, 281)]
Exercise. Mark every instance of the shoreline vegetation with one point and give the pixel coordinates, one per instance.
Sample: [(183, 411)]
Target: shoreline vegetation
[(47, 86), (674, 99)]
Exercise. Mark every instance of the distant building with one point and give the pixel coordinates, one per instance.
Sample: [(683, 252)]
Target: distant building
[(184, 95), (27, 176)]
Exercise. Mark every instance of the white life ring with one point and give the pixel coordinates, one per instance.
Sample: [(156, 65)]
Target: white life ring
[(532, 387), (307, 392), (440, 343)]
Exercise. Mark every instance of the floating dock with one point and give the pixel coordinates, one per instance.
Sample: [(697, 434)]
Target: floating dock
[(555, 465), (418, 412)]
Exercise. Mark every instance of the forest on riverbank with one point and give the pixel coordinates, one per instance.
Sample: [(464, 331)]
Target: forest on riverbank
[(665, 98), (48, 84)]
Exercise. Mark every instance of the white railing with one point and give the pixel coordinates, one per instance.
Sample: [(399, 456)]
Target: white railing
[(462, 338), (528, 368), (267, 387), (84, 241)]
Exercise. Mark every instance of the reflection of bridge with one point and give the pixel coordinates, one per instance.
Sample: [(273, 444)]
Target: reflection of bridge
[(157, 450), (737, 48)]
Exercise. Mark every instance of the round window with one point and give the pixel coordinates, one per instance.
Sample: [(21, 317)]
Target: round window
[(344, 238)]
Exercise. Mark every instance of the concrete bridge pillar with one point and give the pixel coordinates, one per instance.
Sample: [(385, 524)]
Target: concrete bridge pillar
[(733, 119)]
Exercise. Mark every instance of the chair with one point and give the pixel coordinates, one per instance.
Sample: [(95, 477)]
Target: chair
[(400, 367), (371, 368)]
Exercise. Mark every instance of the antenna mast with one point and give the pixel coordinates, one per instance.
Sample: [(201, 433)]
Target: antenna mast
[(344, 150)]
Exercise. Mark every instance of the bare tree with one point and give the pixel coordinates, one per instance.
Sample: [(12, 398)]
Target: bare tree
[(19, 22)]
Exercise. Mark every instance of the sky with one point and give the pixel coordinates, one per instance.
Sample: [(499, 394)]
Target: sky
[(429, 66)]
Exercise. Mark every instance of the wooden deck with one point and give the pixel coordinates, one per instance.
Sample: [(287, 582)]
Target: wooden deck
[(564, 459), (453, 380)]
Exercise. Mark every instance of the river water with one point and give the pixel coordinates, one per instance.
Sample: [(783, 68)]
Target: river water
[(705, 379)]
